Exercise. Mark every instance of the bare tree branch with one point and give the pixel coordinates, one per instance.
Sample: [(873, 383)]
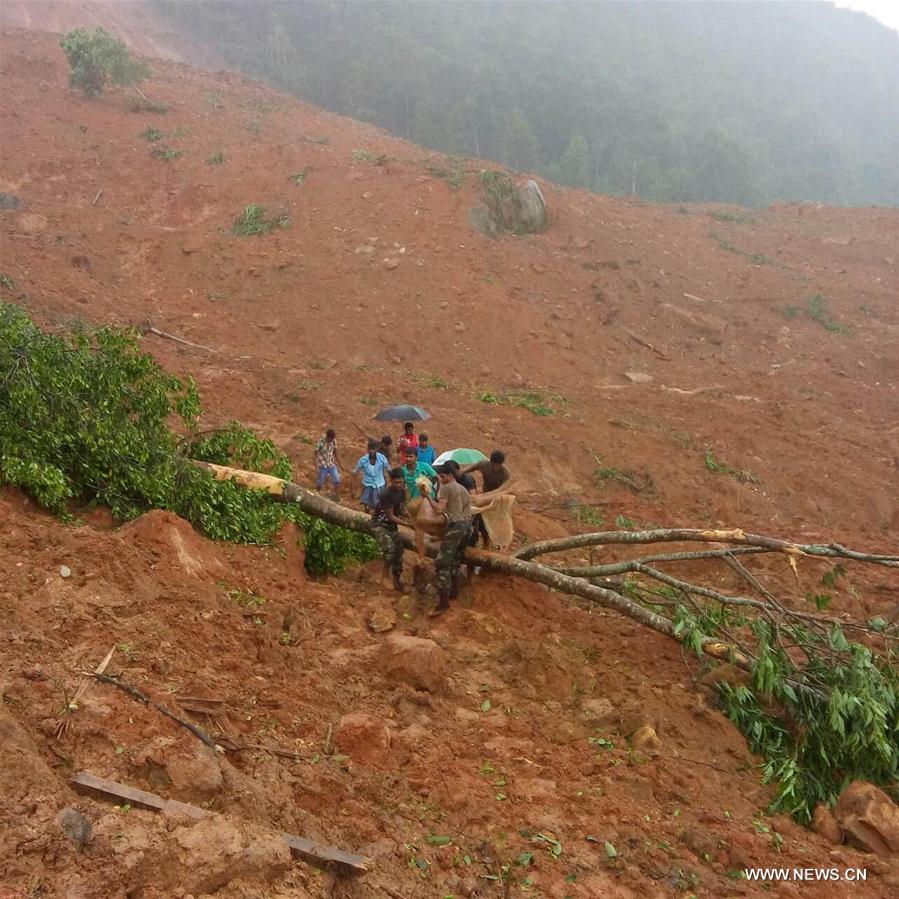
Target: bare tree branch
[(686, 535), (624, 567)]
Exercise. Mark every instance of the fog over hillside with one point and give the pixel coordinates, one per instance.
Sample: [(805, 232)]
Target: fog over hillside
[(735, 102)]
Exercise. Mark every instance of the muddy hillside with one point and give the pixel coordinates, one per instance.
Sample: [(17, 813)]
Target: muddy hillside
[(640, 365)]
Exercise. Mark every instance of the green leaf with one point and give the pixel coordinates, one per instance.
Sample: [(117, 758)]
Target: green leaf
[(485, 705), (611, 851), (439, 840)]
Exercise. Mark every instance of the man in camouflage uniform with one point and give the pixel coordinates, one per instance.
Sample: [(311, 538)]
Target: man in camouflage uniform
[(385, 520), (454, 502)]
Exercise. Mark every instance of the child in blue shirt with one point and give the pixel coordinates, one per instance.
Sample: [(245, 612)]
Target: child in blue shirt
[(426, 452)]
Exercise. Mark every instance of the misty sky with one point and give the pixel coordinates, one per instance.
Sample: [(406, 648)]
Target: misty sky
[(885, 11)]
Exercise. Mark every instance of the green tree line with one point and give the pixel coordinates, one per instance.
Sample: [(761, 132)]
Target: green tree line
[(732, 102)]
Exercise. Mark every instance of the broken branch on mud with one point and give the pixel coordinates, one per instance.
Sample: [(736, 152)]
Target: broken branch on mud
[(148, 328), (198, 732)]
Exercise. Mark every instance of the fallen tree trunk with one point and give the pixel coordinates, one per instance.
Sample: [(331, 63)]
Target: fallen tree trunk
[(313, 504)]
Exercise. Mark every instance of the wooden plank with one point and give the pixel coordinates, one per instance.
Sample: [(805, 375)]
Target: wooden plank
[(90, 785), (328, 857), (315, 854)]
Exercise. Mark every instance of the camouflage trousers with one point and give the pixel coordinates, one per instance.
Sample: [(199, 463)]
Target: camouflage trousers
[(391, 546), (450, 556)]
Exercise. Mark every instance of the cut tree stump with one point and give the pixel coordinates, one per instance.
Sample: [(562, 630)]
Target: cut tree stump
[(330, 858)]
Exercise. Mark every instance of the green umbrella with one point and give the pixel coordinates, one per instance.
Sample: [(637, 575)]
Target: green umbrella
[(461, 455)]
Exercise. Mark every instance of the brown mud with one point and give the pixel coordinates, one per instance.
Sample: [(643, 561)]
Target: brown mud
[(315, 325)]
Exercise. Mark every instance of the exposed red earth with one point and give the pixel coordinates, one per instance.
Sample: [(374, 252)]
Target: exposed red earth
[(379, 291)]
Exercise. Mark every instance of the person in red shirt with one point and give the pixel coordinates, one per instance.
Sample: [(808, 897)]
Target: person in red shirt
[(409, 440)]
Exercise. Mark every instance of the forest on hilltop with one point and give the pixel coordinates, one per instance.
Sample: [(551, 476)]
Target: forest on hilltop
[(731, 102)]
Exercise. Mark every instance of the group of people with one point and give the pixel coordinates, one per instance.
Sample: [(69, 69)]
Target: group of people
[(387, 488)]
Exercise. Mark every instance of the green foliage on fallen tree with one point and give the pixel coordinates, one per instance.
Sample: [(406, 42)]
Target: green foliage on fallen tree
[(820, 709), (85, 419)]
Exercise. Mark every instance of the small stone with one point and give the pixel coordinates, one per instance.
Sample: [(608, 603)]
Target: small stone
[(459, 326), (382, 620), (825, 825), (74, 825), (364, 248), (600, 711), (444, 305), (362, 736), (638, 377), (646, 740), (193, 243), (367, 195), (414, 661), (65, 571), (391, 263)]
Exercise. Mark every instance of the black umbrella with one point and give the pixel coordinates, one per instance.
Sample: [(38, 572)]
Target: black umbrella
[(403, 412)]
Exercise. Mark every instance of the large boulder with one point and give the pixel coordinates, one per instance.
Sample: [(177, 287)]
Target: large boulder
[(509, 207), (414, 661), (868, 818), (532, 207)]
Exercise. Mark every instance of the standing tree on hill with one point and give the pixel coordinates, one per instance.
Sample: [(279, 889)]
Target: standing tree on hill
[(99, 59), (520, 151), (574, 167)]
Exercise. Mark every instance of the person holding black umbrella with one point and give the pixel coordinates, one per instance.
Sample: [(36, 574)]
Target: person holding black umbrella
[(408, 441)]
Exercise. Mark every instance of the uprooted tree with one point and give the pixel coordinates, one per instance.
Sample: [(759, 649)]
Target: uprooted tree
[(84, 419)]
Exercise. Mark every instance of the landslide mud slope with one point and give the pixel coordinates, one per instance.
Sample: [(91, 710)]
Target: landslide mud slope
[(310, 328)]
